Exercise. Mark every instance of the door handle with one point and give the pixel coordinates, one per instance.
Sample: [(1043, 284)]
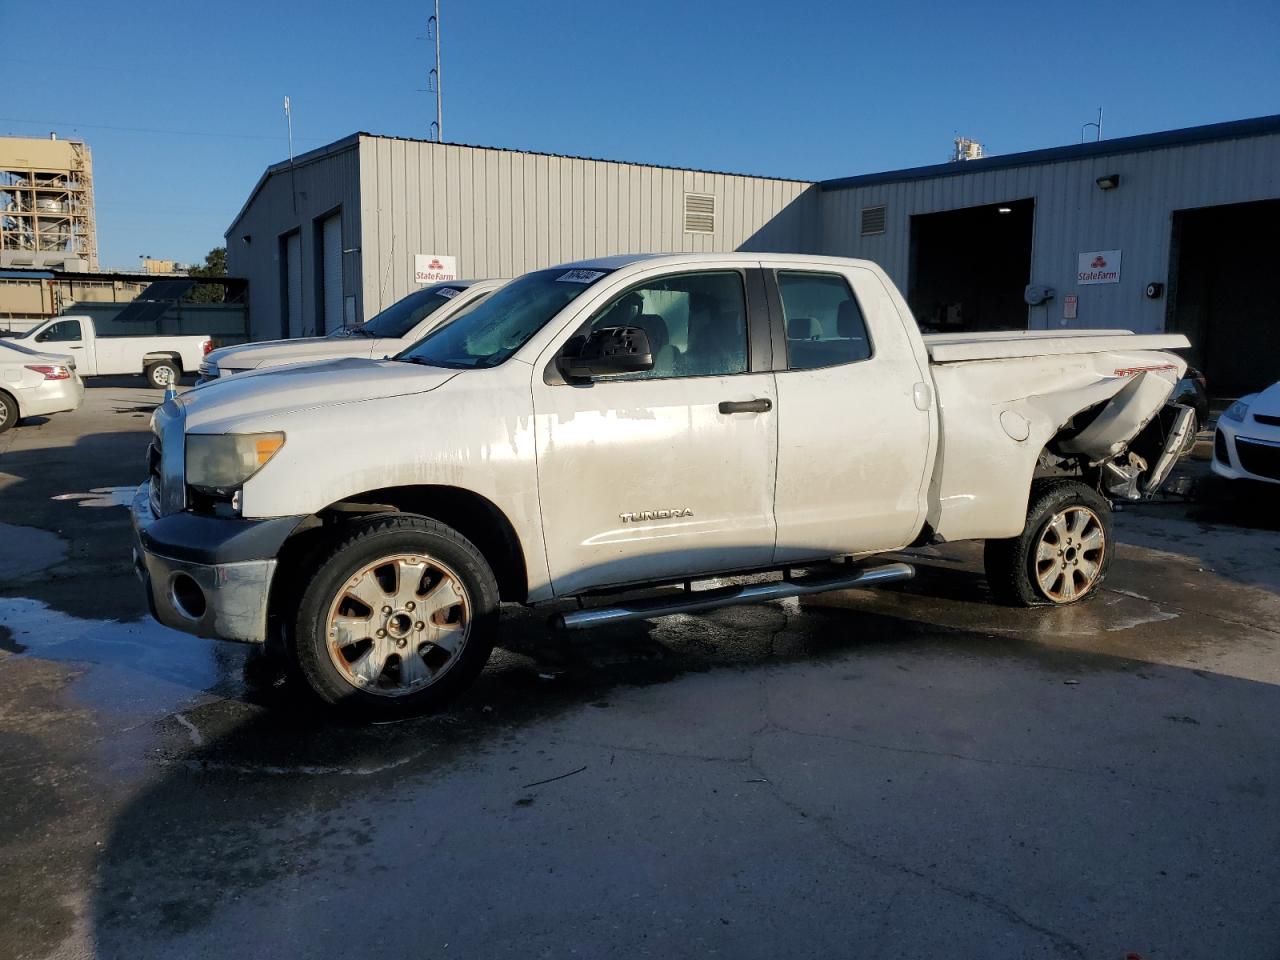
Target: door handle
[(76, 348), (762, 405)]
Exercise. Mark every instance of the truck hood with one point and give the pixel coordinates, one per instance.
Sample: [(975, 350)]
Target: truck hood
[(271, 353), (258, 399)]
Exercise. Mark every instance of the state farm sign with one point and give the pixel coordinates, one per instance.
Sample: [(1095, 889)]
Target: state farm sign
[(1099, 266), (433, 268)]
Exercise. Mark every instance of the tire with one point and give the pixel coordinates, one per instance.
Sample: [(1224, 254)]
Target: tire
[(9, 414), (354, 654), (1062, 515), (162, 374)]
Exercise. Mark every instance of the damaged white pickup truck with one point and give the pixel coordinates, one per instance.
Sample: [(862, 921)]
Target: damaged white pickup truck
[(628, 422)]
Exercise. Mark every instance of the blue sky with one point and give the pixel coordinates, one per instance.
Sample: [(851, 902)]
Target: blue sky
[(808, 90)]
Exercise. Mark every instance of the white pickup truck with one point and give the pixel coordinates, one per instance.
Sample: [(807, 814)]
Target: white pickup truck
[(161, 359), (402, 324), (635, 421)]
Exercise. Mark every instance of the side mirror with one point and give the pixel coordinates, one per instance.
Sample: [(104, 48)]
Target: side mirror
[(608, 350)]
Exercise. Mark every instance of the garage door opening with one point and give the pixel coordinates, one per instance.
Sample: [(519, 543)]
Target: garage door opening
[(970, 267), (1221, 264)]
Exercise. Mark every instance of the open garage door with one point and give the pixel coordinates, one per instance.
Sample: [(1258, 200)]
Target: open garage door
[(1221, 295), (970, 267)]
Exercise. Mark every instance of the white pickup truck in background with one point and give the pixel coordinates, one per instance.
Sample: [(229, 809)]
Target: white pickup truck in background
[(627, 422), (403, 323), (161, 359)]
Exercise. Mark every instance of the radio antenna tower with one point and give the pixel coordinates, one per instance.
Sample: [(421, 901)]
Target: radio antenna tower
[(433, 78)]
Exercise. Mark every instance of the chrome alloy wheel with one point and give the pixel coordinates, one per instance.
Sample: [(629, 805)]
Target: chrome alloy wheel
[(1069, 554), (398, 624)]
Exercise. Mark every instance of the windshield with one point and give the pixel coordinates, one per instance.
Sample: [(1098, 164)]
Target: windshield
[(497, 328), (403, 315)]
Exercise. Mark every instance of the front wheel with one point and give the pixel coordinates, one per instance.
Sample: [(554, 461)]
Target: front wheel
[(1063, 553), (399, 617), (162, 375)]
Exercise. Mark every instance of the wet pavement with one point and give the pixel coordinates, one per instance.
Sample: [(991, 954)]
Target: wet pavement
[(908, 772)]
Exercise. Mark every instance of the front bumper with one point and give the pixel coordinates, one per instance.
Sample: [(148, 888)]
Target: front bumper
[(210, 576), (1246, 450)]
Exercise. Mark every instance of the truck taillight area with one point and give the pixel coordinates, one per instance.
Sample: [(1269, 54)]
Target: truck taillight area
[(207, 347), (51, 372)]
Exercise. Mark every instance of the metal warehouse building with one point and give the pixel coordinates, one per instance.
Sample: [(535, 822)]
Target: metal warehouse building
[(1166, 231), (335, 236)]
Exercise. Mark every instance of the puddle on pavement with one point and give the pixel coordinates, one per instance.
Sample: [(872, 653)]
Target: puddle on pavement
[(101, 497), (143, 666)]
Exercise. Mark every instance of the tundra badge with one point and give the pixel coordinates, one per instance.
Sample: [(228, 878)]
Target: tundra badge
[(655, 515)]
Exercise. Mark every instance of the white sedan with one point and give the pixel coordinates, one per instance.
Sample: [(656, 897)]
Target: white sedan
[(34, 384), (1246, 445)]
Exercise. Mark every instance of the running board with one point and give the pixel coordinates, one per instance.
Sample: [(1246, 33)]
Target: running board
[(727, 596)]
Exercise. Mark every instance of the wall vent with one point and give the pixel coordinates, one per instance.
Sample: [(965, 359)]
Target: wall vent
[(873, 220), (699, 213)]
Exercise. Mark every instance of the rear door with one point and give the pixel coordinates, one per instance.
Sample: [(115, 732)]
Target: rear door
[(659, 475), (855, 431)]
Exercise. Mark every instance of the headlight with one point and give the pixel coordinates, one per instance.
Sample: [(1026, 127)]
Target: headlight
[(1238, 409), (217, 464)]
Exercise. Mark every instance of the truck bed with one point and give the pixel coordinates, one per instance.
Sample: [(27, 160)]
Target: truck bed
[(1010, 344)]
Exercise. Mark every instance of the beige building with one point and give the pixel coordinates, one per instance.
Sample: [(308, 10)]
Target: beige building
[(29, 296)]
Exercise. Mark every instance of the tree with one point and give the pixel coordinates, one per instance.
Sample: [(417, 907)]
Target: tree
[(215, 265)]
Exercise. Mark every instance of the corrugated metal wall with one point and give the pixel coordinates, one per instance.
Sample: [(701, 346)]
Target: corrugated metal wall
[(502, 213), (321, 184), (1072, 216)]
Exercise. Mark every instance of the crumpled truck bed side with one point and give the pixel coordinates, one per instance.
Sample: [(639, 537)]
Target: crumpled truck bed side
[(998, 414)]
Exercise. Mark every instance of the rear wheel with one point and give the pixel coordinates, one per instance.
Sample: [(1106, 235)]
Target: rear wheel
[(400, 616), (162, 374), (8, 412), (1063, 553)]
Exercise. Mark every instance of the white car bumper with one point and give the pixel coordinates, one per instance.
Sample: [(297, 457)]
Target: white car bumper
[(1247, 450), (51, 396)]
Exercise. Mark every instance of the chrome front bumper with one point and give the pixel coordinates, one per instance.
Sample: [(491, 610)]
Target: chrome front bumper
[(225, 601)]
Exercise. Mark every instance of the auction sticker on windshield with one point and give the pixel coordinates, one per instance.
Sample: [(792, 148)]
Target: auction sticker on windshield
[(581, 276)]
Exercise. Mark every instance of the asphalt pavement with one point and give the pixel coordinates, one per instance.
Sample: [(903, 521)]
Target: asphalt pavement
[(903, 772)]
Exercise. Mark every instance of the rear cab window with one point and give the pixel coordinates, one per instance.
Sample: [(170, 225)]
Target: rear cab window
[(824, 323)]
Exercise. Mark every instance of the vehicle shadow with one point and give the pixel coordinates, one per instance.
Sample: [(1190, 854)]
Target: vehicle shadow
[(133, 382)]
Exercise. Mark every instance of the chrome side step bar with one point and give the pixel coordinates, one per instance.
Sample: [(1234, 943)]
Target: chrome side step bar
[(695, 602)]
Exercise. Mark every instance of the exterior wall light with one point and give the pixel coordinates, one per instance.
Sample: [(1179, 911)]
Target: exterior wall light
[(1109, 182)]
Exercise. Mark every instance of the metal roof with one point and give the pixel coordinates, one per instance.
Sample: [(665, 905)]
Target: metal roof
[(1231, 130)]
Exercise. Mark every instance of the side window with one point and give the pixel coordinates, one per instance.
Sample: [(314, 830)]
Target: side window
[(696, 322), (824, 323), (63, 331)]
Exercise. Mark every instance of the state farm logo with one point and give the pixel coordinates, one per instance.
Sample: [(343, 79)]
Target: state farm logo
[(1098, 262), (435, 264)]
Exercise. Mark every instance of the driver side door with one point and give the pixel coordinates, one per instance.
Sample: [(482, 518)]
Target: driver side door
[(668, 472), (67, 336)]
